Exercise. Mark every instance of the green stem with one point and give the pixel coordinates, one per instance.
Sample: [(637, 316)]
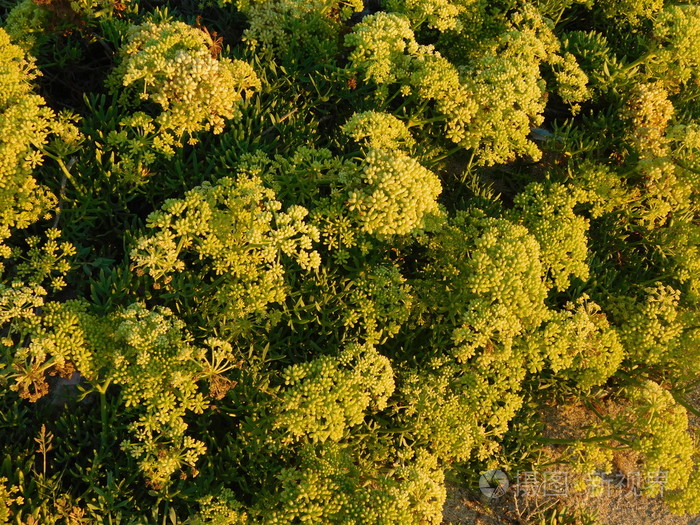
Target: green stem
[(558, 17), (683, 165), (102, 391), (439, 118), (419, 109), (682, 402), (593, 439), (282, 119), (165, 511), (389, 100), (655, 280), (691, 97), (541, 466), (629, 67), (467, 171), (103, 418), (416, 26), (690, 385), (65, 169), (595, 410), (439, 158)]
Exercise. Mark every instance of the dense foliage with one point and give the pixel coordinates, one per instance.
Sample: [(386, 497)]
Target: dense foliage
[(285, 261)]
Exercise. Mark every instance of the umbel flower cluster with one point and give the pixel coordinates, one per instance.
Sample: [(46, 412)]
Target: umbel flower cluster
[(649, 112), (580, 344), (330, 487), (476, 99), (172, 64), (230, 238), (325, 397), (281, 26), (25, 125), (442, 15), (148, 353), (376, 130), (676, 60), (26, 23), (380, 304), (395, 194), (548, 213)]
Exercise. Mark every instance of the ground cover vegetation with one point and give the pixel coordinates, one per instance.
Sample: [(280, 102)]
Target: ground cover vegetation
[(303, 261)]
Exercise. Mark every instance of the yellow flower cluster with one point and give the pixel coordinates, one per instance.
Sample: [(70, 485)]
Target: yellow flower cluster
[(436, 79), (394, 195), (686, 501), (633, 12), (649, 111), (383, 47), (43, 266), (572, 82), (26, 24), (443, 15), (486, 265), (548, 213), (43, 261), (510, 103), (676, 62), (19, 301), (234, 229), (25, 124), (665, 192), (376, 130), (8, 498), (287, 25), (338, 231), (459, 412), (681, 242), (504, 268), (651, 330), (441, 412), (380, 303), (330, 486), (171, 64), (660, 428), (579, 345), (602, 189), (325, 397), (510, 93), (156, 365), (490, 295), (490, 104), (147, 353), (219, 509)]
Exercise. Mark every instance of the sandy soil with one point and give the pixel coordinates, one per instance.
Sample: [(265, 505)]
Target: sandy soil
[(468, 508), (618, 502)]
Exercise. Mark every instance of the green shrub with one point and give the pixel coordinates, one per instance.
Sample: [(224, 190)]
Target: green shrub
[(296, 262)]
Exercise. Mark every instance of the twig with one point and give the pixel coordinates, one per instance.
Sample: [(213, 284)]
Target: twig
[(284, 117), (62, 193)]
